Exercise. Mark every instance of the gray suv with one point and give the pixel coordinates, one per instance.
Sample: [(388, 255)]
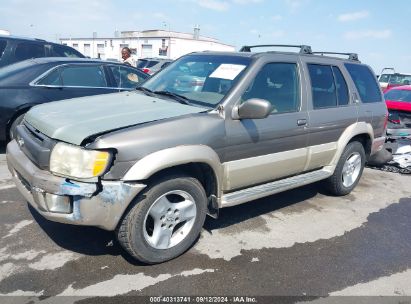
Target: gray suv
[(151, 164)]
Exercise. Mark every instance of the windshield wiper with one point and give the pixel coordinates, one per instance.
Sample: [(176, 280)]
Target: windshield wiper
[(145, 91), (180, 98)]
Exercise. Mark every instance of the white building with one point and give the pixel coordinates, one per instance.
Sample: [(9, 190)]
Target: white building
[(151, 43)]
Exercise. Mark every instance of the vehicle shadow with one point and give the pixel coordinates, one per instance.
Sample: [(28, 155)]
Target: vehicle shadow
[(237, 214), (95, 242), (81, 239)]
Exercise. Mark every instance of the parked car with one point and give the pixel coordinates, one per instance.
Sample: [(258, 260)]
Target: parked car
[(398, 101), (388, 81), (14, 49), (150, 164), (34, 81), (152, 65)]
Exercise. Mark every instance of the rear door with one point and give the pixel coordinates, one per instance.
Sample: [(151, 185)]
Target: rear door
[(330, 109)]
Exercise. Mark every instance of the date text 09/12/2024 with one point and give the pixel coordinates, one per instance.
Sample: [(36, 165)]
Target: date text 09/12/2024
[(203, 299)]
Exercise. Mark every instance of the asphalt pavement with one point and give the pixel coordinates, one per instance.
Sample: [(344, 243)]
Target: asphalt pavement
[(298, 246)]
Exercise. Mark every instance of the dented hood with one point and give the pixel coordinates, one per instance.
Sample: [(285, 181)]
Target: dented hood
[(76, 119)]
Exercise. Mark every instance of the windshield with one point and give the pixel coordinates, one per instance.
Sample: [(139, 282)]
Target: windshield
[(398, 95), (202, 79), (384, 78)]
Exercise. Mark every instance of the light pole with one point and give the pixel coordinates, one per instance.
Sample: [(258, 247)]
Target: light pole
[(169, 37)]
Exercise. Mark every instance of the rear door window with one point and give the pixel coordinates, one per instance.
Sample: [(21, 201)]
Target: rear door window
[(3, 44), (27, 50), (365, 82), (328, 86), (322, 86), (83, 76), (64, 51)]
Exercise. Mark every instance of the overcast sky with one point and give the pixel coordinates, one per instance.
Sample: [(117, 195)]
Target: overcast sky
[(377, 30)]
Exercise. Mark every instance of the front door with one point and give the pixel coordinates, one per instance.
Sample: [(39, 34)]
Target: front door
[(262, 150)]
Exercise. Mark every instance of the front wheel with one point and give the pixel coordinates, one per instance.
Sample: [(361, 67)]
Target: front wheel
[(165, 220), (348, 170)]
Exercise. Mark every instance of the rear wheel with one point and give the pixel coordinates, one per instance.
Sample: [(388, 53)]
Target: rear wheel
[(348, 170), (165, 220)]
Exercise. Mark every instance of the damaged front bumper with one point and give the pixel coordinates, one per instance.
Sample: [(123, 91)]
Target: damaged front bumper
[(59, 199)]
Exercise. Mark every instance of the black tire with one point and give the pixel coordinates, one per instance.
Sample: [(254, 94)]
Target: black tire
[(13, 126), (334, 183), (131, 229)]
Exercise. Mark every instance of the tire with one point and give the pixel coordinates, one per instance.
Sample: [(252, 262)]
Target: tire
[(164, 221), (348, 170), (13, 126)]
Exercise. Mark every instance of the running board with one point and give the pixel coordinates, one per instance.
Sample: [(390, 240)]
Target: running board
[(253, 193)]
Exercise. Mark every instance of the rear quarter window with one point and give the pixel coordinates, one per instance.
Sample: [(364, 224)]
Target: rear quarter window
[(365, 82)]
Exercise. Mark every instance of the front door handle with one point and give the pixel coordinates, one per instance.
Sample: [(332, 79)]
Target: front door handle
[(302, 122)]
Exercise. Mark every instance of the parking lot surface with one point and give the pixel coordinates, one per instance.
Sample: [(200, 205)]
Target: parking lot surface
[(298, 243)]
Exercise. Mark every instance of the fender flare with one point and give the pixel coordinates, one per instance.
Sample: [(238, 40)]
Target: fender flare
[(171, 157), (358, 128)]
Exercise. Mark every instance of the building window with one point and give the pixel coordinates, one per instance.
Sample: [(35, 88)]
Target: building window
[(163, 43), (75, 45), (100, 48), (87, 49), (146, 50), (162, 51)]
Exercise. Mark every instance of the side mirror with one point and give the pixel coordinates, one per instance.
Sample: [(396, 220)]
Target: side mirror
[(254, 109)]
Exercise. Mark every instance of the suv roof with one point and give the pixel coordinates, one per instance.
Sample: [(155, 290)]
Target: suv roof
[(8, 37), (14, 49), (305, 50)]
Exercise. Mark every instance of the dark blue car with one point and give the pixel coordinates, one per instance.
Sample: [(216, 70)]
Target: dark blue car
[(40, 80)]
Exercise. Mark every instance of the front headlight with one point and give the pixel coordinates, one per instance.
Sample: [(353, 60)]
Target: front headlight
[(72, 161)]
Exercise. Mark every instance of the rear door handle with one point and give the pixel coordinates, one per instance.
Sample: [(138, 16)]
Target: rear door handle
[(302, 122)]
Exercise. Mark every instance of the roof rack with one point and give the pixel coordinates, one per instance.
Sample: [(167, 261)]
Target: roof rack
[(304, 49), (351, 56), (392, 69)]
